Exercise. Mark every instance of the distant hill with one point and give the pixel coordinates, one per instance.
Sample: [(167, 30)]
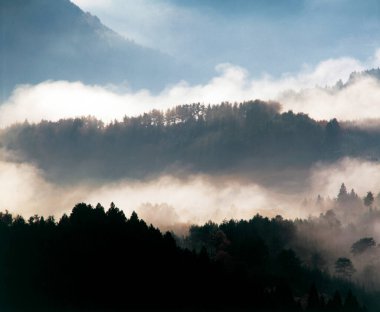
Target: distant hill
[(251, 139), (44, 39)]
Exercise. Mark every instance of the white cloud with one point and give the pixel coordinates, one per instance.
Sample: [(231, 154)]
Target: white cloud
[(195, 200), (164, 201), (167, 200), (25, 191), (362, 176), (53, 100), (358, 101)]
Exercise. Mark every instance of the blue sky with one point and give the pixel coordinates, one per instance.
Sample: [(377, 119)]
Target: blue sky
[(239, 50), (272, 36)]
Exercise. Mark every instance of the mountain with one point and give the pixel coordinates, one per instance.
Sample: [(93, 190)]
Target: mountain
[(55, 40), (250, 140)]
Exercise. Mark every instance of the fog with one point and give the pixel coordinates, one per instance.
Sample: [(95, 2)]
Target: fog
[(167, 200), (176, 202), (295, 153), (197, 198), (356, 102), (53, 100), (164, 201), (25, 190), (361, 175)]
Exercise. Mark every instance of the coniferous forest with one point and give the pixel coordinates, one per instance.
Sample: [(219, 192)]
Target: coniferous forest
[(99, 259), (226, 138), (235, 145)]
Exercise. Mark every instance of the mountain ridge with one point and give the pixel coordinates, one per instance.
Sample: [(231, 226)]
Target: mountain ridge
[(46, 40)]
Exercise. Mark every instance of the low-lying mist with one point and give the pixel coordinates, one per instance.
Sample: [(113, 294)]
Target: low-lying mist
[(326, 225), (168, 200), (198, 163), (164, 201), (301, 92)]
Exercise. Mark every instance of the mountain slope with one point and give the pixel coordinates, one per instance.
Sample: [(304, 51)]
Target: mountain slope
[(44, 39), (251, 140)]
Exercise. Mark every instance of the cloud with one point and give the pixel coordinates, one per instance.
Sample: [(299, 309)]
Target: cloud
[(194, 200), (361, 175), (52, 100), (171, 200), (167, 201), (25, 191), (356, 102), (164, 201)]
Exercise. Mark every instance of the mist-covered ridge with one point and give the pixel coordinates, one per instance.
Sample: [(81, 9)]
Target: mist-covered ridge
[(223, 139)]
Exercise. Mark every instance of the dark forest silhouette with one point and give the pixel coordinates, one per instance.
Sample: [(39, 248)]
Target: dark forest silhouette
[(228, 138), (97, 259)]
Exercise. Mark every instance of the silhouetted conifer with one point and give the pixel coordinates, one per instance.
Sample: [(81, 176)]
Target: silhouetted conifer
[(351, 303), (313, 299), (335, 303)]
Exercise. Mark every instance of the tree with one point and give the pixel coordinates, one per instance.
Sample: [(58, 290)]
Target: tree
[(134, 219), (284, 297), (351, 304), (335, 303), (314, 302), (344, 268), (362, 245), (333, 133), (115, 215), (369, 199), (333, 129), (317, 261), (353, 196), (342, 195), (319, 202)]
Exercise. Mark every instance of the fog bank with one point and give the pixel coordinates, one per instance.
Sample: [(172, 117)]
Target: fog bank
[(168, 200), (53, 100)]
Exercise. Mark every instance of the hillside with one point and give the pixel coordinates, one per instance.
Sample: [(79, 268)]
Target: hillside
[(100, 260), (55, 40), (225, 139)]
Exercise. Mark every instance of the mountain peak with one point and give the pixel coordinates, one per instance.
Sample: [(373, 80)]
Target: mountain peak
[(55, 40)]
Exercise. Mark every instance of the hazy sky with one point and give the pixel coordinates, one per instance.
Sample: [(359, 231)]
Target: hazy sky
[(295, 92), (273, 36)]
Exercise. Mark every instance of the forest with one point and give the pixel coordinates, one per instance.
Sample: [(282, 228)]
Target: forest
[(222, 139), (98, 259), (183, 156)]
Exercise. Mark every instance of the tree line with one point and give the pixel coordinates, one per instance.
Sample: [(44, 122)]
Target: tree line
[(101, 260), (223, 138)]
